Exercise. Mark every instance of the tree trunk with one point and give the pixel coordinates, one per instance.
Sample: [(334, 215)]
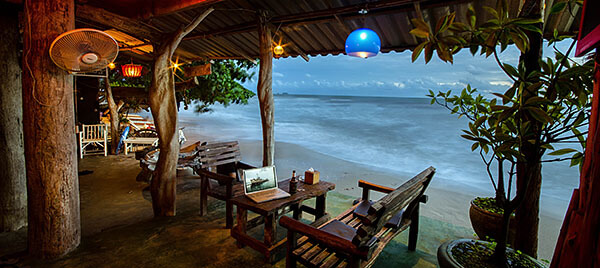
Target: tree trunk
[(265, 90), (527, 214), (164, 111), (49, 128), (114, 118), (13, 184)]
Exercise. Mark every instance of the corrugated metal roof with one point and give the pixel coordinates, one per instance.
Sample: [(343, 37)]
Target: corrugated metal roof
[(316, 27)]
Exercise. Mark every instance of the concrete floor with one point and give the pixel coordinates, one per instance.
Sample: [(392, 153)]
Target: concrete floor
[(119, 229)]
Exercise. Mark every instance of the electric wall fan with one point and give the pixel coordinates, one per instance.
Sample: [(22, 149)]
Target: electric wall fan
[(84, 50)]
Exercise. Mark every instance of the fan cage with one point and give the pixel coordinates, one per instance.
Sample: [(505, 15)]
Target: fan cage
[(68, 49)]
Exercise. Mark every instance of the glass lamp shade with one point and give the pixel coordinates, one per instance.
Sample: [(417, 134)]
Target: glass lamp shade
[(278, 50), (363, 43), (131, 70)]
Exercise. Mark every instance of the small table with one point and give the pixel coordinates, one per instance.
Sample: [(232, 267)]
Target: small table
[(271, 209), (140, 140)]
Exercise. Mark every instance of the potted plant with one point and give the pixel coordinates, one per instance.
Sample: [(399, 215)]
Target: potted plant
[(540, 109)]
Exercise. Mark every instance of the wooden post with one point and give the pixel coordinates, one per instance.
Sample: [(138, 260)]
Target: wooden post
[(164, 111), (114, 118), (49, 128), (265, 89), (13, 184)]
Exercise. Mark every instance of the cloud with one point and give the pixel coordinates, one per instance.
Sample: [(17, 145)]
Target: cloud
[(276, 74), (501, 83), (308, 75)]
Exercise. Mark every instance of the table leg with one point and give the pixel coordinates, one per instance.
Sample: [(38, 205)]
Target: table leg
[(242, 218), (320, 206), (270, 229), (297, 213), (125, 144)]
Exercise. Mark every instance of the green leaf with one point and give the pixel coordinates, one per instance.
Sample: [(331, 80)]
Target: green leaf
[(419, 33), (531, 28), (428, 52), (417, 52), (511, 70), (474, 146), (492, 11), (558, 7), (563, 151)]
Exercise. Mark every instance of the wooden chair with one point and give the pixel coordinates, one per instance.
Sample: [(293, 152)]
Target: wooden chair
[(219, 170), (356, 237), (92, 135)]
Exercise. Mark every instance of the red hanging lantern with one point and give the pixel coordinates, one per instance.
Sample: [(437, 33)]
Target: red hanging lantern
[(131, 70)]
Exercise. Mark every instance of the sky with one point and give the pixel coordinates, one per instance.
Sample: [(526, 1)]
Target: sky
[(391, 74)]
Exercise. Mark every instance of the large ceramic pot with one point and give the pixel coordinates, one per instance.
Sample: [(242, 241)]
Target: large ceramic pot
[(489, 224), (446, 258)]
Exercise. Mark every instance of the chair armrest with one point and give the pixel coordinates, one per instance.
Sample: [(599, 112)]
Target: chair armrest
[(375, 187), (330, 240), (224, 179), (372, 186)]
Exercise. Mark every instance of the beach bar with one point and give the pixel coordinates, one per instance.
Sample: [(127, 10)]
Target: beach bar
[(40, 179)]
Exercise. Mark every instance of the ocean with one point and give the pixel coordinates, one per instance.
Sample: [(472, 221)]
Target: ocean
[(399, 135)]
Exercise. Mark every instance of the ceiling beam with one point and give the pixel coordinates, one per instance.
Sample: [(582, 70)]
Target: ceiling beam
[(127, 25), (327, 15), (162, 7)]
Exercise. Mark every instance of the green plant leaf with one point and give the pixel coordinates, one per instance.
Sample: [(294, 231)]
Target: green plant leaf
[(417, 52), (419, 33), (563, 151), (558, 7)]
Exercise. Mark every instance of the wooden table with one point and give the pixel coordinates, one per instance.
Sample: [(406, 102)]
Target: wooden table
[(153, 141), (269, 212)]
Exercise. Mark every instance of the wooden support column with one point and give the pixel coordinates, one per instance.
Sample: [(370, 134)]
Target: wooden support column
[(13, 184), (265, 89), (114, 118), (164, 111), (49, 128)]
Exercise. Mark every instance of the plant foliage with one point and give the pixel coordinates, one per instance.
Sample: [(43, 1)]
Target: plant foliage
[(541, 108)]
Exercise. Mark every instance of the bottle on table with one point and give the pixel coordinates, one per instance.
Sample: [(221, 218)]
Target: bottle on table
[(293, 183)]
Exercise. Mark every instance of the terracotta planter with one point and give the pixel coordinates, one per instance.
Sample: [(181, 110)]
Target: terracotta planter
[(489, 224), (447, 260)]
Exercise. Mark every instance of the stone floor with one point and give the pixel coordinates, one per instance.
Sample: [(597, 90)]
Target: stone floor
[(119, 230)]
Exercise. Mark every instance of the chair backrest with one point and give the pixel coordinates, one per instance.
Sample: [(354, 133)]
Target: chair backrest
[(380, 212), (217, 154), (93, 132)]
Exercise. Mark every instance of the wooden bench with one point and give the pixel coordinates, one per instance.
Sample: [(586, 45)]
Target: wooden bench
[(356, 237), (219, 168), (187, 158)]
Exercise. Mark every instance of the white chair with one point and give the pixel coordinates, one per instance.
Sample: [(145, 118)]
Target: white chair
[(93, 134)]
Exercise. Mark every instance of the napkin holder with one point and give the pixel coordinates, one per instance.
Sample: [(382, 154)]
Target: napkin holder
[(311, 177)]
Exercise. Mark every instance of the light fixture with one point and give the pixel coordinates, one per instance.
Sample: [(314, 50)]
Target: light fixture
[(278, 50), (111, 65), (363, 43), (176, 65), (132, 70)]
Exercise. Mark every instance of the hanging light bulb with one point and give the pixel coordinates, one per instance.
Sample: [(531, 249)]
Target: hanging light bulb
[(111, 65), (278, 50), (363, 43)]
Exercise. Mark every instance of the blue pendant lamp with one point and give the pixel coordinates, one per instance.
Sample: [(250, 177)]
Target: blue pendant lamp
[(363, 43)]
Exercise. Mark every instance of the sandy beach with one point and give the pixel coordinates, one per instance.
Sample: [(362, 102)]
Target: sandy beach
[(448, 203)]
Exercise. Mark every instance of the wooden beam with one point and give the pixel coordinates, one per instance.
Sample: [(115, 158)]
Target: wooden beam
[(265, 89), (162, 8), (326, 15), (127, 25)]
